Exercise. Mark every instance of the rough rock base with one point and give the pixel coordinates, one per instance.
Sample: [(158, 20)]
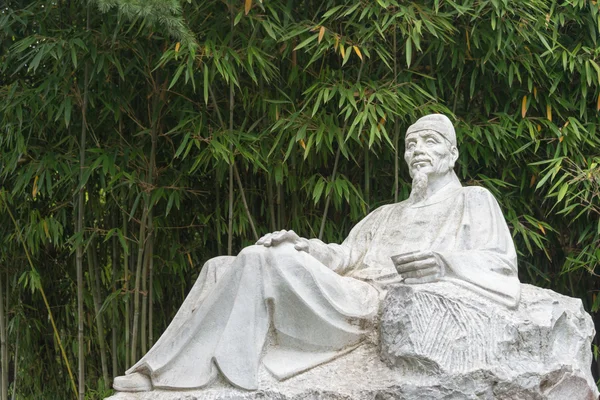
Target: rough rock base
[(544, 354)]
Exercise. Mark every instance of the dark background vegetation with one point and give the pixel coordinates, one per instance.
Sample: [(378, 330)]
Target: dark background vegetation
[(142, 137)]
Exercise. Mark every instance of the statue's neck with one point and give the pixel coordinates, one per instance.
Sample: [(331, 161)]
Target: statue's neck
[(437, 183)]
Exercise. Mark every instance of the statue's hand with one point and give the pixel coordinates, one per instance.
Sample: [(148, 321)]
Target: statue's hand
[(418, 267), (283, 236)]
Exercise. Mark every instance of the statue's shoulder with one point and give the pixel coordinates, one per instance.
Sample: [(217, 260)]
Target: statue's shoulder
[(478, 196), (476, 191)]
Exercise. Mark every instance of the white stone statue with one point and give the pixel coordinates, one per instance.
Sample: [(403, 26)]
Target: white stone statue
[(315, 301)]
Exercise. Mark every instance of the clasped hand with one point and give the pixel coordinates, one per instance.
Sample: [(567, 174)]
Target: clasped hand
[(283, 236), (418, 267)]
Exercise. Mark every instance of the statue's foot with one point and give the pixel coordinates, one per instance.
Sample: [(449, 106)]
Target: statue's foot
[(135, 382)]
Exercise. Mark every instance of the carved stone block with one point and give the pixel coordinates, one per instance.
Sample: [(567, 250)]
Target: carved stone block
[(542, 347)]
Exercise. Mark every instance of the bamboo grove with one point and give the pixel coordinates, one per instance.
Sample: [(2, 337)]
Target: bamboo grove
[(142, 137)]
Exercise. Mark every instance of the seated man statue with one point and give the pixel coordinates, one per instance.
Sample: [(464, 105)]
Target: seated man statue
[(313, 301)]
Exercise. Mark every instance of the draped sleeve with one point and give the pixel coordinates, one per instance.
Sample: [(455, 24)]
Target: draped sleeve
[(484, 257), (348, 256)]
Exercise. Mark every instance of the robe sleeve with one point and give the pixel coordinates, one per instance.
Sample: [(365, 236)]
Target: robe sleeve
[(484, 258), (348, 256)]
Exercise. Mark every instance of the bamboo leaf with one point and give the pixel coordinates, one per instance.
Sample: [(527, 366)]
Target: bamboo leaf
[(358, 53), (563, 191), (321, 33)]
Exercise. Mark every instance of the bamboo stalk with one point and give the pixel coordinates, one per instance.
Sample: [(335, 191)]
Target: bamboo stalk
[(79, 228), (45, 299), (396, 131), (218, 214), (7, 308), (3, 351), (148, 265), (367, 180), (16, 363), (150, 286), (138, 276), (143, 328), (271, 204), (230, 212), (239, 181), (95, 289), (231, 165), (126, 289), (279, 205), (232, 172), (335, 166), (115, 262), (328, 199)]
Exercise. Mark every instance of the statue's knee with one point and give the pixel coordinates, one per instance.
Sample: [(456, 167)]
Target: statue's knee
[(253, 250), (218, 262)]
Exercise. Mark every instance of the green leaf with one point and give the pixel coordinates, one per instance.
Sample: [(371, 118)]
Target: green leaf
[(205, 84), (563, 191)]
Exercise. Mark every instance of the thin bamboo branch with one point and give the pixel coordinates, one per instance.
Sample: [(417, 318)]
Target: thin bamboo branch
[(239, 181)]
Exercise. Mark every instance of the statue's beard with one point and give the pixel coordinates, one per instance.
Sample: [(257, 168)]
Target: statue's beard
[(419, 187)]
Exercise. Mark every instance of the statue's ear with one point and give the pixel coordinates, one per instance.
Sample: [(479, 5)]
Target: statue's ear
[(453, 155)]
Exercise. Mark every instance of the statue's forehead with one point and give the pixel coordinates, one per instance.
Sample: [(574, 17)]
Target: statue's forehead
[(423, 132)]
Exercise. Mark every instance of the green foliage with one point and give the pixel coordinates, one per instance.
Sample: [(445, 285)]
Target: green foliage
[(280, 90)]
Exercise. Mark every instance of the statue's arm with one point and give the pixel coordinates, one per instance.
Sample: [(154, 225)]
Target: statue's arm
[(345, 257)]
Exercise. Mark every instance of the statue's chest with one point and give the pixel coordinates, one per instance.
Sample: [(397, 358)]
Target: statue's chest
[(420, 228)]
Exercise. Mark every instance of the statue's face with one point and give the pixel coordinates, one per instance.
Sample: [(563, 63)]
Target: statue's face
[(429, 152)]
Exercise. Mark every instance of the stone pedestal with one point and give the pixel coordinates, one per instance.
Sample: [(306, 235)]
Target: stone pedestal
[(441, 341), (543, 348)]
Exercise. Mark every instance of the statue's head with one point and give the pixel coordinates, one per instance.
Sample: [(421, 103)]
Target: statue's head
[(430, 146)]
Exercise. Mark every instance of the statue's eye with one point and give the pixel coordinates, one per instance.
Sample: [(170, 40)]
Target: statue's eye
[(431, 142), (410, 145)]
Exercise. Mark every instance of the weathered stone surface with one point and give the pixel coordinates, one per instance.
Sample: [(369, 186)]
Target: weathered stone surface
[(441, 330), (538, 352)]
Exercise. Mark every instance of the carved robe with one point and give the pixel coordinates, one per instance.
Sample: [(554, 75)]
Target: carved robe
[(319, 303)]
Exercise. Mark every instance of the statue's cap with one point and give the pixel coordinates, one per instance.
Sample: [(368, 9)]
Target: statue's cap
[(435, 122)]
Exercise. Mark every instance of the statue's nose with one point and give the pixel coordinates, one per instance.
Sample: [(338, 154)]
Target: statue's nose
[(419, 149)]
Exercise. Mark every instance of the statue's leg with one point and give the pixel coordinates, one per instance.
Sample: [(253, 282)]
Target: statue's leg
[(317, 314), (158, 355), (225, 321), (227, 313)]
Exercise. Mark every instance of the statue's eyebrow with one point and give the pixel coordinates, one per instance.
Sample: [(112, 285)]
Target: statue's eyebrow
[(431, 135)]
